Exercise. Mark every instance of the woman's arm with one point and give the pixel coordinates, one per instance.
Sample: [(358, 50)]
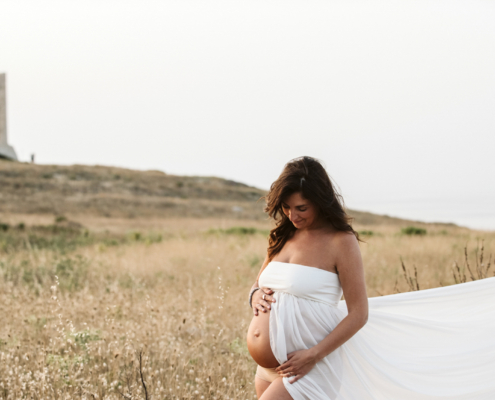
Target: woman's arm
[(351, 273), (257, 300)]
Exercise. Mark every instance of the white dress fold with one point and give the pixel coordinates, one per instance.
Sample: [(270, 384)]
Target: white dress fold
[(431, 344)]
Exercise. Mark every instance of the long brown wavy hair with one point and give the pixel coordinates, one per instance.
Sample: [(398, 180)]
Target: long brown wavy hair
[(308, 176)]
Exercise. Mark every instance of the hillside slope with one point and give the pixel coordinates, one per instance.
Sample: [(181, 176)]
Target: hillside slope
[(124, 193), (119, 192)]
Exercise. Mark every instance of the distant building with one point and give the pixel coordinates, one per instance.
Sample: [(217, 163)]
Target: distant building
[(6, 151)]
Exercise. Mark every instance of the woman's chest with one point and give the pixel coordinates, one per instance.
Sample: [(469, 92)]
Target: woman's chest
[(312, 252)]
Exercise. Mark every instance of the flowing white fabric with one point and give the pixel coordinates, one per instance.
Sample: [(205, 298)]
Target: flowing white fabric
[(431, 344)]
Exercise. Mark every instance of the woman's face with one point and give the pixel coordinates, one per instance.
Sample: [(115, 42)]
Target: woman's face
[(300, 211)]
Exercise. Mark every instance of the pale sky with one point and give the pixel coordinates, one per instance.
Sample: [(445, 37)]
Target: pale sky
[(397, 98)]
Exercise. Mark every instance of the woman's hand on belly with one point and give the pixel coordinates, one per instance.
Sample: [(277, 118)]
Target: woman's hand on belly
[(261, 300), (298, 364), (258, 337)]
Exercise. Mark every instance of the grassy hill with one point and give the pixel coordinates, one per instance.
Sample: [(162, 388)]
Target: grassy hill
[(119, 192), (125, 193)]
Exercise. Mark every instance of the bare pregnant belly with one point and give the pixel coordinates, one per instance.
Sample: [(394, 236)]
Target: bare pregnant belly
[(258, 341)]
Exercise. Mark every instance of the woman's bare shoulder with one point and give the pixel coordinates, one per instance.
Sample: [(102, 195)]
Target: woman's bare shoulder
[(344, 238), (345, 242)]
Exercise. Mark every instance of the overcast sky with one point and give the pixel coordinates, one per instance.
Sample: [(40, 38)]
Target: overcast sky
[(396, 98)]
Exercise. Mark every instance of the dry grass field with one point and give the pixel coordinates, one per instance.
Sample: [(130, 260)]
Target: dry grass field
[(101, 308), (121, 299)]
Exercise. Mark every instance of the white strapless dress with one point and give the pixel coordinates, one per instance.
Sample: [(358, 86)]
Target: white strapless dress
[(432, 344)]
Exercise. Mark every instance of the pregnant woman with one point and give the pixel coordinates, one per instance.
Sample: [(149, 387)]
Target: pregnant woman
[(309, 344)]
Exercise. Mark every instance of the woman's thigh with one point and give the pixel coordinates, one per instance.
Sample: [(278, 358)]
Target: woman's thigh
[(275, 391), (260, 385)]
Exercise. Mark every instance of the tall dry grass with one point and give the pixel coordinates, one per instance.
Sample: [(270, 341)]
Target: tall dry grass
[(167, 319)]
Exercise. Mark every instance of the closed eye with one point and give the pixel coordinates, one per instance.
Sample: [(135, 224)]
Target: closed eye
[(300, 208)]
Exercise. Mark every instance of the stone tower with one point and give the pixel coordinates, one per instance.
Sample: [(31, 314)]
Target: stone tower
[(6, 151)]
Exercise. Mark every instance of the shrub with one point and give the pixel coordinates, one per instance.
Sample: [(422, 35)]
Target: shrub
[(60, 218), (412, 230), (240, 230)]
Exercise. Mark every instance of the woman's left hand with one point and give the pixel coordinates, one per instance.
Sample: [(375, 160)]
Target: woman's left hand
[(298, 364)]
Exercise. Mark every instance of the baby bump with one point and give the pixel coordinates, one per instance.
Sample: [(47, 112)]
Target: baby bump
[(258, 341)]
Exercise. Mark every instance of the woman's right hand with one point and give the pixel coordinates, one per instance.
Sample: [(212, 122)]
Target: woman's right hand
[(262, 304)]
